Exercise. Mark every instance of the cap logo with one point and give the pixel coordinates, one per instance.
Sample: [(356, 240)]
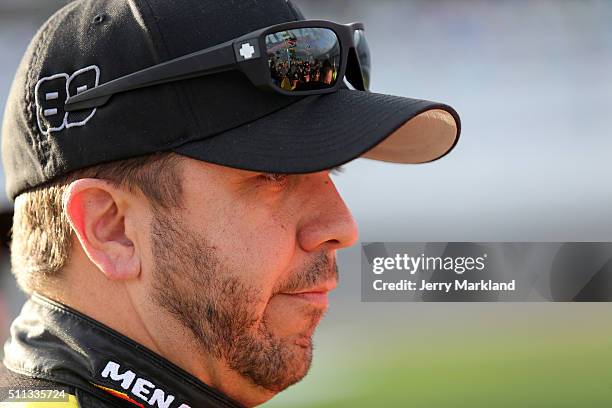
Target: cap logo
[(247, 51), (51, 94)]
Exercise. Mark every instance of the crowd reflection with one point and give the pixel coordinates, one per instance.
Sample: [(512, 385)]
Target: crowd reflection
[(298, 74)]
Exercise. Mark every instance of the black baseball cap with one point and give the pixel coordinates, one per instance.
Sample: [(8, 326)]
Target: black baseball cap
[(220, 118)]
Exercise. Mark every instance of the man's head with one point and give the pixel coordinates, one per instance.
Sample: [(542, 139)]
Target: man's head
[(198, 216), (239, 261)]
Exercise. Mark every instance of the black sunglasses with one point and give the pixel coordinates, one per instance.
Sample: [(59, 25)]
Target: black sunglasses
[(303, 58)]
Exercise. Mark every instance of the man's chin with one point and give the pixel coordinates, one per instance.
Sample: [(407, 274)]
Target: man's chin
[(298, 359), (272, 362)]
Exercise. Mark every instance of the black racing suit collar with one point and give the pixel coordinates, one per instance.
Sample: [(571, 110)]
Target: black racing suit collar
[(54, 342)]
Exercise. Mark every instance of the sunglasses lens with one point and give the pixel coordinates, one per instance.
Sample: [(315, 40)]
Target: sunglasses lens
[(363, 51), (303, 59)]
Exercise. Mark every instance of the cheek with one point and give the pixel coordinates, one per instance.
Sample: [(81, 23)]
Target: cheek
[(254, 239), (253, 245), (265, 254)]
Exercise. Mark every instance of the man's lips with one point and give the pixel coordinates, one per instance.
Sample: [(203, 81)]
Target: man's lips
[(316, 295)]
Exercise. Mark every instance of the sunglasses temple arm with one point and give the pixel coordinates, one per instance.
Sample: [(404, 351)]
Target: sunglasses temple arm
[(209, 61)]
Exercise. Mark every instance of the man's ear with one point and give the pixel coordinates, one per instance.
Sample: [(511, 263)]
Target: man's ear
[(96, 210)]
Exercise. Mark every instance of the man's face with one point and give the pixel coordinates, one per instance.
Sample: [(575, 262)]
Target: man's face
[(245, 266)]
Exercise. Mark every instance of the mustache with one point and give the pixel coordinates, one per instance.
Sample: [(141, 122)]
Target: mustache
[(321, 269)]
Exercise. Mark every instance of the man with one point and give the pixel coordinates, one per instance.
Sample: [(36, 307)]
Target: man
[(175, 224)]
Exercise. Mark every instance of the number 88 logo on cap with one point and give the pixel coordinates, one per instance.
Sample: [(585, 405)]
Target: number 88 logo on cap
[(52, 92)]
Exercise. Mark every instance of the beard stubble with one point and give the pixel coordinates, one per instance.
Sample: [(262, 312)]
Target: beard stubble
[(219, 309)]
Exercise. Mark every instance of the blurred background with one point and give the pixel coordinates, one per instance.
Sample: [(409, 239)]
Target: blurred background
[(531, 81)]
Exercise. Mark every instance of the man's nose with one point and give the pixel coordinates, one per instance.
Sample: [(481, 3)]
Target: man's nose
[(327, 223)]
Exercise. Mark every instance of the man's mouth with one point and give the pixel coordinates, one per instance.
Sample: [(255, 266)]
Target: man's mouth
[(316, 295)]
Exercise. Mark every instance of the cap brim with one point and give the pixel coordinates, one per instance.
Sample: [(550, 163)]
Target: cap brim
[(324, 131)]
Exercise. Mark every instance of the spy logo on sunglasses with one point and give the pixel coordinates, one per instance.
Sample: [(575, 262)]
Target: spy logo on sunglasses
[(52, 92), (247, 51)]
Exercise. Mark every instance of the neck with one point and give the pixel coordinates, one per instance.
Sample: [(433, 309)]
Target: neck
[(77, 351)]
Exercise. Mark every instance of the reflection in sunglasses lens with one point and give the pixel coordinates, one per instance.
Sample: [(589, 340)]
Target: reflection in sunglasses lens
[(303, 59)]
